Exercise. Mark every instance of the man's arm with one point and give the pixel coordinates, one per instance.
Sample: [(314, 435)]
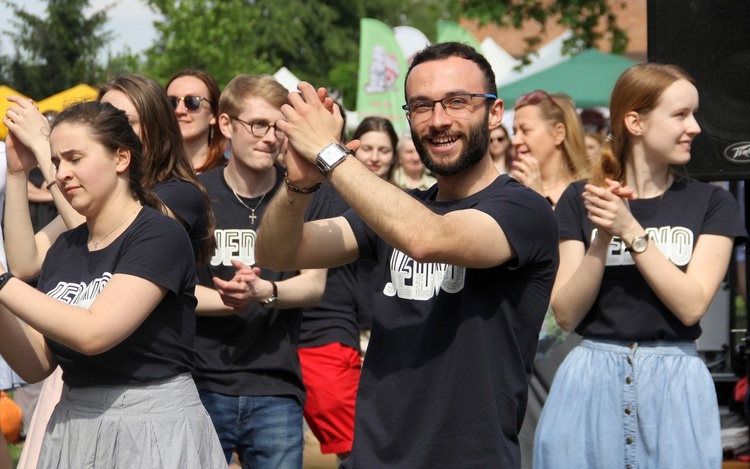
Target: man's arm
[(468, 238), (246, 287)]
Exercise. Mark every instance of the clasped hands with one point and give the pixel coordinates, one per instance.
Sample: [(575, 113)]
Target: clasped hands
[(312, 121), (28, 128), (244, 289), (609, 209)]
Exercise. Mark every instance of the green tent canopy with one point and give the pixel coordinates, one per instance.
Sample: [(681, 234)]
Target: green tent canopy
[(588, 78)]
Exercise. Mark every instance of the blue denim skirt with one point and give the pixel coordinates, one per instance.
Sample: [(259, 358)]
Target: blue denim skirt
[(161, 424), (630, 405)]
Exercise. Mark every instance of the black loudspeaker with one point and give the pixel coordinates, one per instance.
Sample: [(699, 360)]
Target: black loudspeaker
[(710, 39)]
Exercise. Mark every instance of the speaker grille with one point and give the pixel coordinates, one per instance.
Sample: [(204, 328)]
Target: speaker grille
[(710, 39)]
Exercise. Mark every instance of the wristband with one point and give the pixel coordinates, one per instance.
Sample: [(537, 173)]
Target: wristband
[(4, 279)]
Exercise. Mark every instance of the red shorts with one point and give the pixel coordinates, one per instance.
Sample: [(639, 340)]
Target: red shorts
[(331, 375)]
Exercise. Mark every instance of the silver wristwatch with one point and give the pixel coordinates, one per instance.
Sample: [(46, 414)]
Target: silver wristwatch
[(330, 156)]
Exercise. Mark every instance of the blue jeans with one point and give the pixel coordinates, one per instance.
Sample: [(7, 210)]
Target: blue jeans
[(266, 431)]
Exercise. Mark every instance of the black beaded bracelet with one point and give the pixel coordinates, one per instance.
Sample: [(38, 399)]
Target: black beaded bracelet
[(300, 190)]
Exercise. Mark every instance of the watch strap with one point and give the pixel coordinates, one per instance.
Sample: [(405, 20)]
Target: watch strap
[(4, 279), (271, 302)]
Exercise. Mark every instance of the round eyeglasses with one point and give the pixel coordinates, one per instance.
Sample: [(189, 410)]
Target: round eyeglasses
[(260, 128)]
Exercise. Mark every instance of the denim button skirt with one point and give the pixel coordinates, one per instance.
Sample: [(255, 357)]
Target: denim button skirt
[(630, 405)]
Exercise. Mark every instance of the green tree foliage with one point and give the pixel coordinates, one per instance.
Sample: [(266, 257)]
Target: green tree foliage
[(318, 40), (57, 51), (590, 20), (216, 36)]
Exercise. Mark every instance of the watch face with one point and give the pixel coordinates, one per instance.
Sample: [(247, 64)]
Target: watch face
[(332, 153), (640, 244), (270, 303)]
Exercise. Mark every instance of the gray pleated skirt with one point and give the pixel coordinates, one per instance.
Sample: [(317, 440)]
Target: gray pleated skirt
[(161, 424)]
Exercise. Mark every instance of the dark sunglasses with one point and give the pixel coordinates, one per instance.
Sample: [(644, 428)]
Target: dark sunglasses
[(192, 103), (535, 97)]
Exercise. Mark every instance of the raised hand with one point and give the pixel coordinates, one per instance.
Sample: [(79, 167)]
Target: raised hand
[(20, 159), (27, 123), (312, 121), (525, 168)]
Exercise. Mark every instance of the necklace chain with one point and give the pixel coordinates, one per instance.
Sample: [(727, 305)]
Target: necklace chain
[(96, 243), (252, 215)]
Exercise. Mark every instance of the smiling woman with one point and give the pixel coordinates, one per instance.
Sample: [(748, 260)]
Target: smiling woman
[(636, 294)]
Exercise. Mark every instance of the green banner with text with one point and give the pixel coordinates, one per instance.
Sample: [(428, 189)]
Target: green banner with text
[(382, 69)]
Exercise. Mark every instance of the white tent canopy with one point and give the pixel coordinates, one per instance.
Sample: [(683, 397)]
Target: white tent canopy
[(545, 57)]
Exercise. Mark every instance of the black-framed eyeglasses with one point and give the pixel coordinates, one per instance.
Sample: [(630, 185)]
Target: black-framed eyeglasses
[(535, 97), (260, 128), (455, 105), (192, 103)]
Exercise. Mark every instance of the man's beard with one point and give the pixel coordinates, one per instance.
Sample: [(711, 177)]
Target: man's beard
[(473, 152)]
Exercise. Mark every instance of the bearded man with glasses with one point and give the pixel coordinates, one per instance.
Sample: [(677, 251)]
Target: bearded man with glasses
[(465, 269), (247, 369)]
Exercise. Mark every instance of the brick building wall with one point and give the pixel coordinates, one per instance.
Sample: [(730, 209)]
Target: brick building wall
[(631, 16)]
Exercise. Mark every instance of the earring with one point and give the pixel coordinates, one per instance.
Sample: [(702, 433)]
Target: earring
[(638, 133), (210, 133)]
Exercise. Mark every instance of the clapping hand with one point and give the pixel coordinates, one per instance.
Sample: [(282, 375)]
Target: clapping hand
[(244, 289), (608, 207)]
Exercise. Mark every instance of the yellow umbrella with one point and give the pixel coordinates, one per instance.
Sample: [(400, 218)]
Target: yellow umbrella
[(58, 102), (6, 91)]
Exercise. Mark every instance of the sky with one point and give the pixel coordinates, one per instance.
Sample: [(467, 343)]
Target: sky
[(130, 21)]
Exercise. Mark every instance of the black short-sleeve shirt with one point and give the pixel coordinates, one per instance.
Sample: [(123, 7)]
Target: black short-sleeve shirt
[(626, 308), (445, 380), (154, 247)]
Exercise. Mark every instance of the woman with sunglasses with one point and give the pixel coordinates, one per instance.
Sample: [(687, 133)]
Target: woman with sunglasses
[(115, 309), (167, 171), (194, 94), (500, 149), (636, 276), (549, 145)]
